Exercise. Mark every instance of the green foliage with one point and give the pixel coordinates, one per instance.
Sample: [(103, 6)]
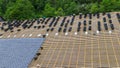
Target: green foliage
[(26, 9), (48, 10), (94, 8), (110, 5), (101, 8), (0, 11), (106, 6), (70, 8), (59, 12), (22, 9), (38, 4)]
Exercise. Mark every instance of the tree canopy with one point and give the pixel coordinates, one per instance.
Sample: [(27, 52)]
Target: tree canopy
[(20, 10), (28, 9)]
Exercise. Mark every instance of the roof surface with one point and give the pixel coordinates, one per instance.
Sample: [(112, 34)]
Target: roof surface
[(90, 40)]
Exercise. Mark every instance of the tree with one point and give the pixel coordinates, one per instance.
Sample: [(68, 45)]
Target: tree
[(59, 12), (87, 1), (22, 9), (49, 11), (101, 8), (38, 4), (4, 4), (26, 9), (0, 11), (94, 8), (110, 5), (70, 8)]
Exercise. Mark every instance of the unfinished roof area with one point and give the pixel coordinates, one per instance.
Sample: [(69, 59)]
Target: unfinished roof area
[(75, 41)]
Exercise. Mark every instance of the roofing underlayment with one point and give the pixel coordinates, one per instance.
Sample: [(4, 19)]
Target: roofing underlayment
[(75, 41)]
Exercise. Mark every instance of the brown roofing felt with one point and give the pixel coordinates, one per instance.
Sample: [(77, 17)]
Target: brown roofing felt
[(91, 40)]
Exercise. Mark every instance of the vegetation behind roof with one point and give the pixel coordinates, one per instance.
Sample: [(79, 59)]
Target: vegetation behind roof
[(28, 9)]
